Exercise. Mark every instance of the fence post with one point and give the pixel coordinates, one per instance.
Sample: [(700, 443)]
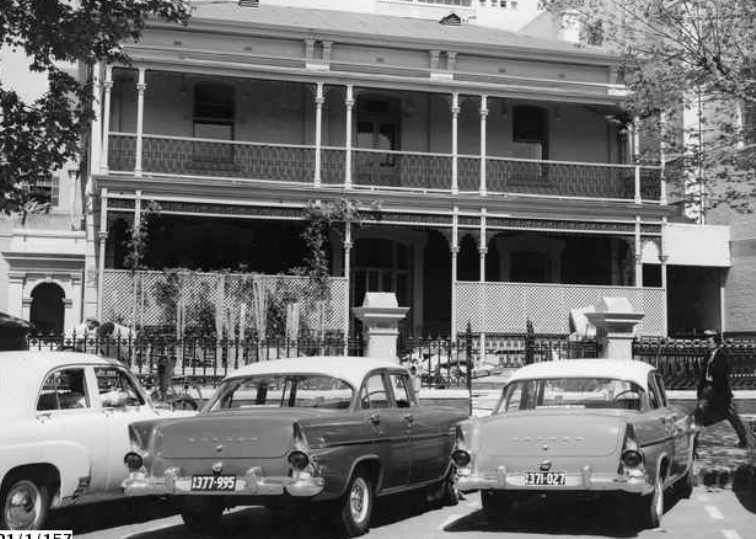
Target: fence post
[(469, 352)]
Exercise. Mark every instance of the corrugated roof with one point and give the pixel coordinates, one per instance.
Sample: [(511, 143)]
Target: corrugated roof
[(386, 26)]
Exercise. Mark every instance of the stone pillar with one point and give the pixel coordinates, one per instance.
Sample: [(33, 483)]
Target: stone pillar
[(615, 322), (380, 314)]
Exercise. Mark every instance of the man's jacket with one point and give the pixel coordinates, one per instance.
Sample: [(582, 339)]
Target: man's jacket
[(714, 383)]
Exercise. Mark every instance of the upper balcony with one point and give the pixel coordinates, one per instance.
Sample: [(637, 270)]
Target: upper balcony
[(344, 135)]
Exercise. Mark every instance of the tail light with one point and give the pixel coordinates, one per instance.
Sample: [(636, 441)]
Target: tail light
[(461, 458), (133, 461), (632, 457), (298, 460)]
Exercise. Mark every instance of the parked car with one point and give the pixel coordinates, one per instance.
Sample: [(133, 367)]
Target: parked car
[(299, 431), (65, 418), (579, 427)]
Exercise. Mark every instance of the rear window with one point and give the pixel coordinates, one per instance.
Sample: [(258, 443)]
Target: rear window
[(535, 394), (283, 391)]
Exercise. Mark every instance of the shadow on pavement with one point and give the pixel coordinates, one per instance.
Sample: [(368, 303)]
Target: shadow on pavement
[(112, 514), (560, 518), (744, 486)]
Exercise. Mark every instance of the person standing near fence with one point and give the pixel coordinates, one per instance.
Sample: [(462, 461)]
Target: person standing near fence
[(715, 399)]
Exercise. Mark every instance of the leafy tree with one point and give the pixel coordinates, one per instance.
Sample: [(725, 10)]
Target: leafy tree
[(698, 55), (37, 138)]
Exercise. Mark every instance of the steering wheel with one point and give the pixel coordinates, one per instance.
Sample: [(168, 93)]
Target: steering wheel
[(366, 398), (618, 395)]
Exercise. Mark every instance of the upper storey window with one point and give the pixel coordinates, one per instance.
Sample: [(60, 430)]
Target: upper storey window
[(214, 111), (530, 132)]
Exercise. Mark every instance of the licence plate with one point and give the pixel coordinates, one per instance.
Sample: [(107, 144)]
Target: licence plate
[(545, 479), (209, 483)]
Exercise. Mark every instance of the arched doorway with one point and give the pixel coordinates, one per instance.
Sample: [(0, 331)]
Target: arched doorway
[(47, 308)]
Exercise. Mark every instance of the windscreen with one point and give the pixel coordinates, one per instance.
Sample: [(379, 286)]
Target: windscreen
[(535, 394), (283, 391)]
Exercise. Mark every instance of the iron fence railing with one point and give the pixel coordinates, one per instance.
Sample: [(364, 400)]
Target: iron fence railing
[(680, 360), (374, 168), (442, 363), (202, 359)]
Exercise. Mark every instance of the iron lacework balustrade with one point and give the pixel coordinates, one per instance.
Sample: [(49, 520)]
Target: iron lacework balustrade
[(380, 169)]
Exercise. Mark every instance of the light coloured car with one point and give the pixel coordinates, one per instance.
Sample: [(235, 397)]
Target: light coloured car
[(65, 418), (579, 428), (333, 432)]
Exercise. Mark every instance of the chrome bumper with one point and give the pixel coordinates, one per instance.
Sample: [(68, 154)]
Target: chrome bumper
[(586, 480), (253, 483)]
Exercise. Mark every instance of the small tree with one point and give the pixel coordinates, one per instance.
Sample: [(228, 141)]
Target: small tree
[(136, 248)]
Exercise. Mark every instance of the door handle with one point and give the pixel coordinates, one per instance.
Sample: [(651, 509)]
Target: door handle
[(374, 419), (44, 417), (409, 418)]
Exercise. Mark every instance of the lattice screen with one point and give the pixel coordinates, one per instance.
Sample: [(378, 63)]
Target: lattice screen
[(505, 307), (236, 304)]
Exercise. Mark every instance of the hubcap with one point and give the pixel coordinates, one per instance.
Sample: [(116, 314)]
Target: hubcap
[(359, 500), (22, 506)]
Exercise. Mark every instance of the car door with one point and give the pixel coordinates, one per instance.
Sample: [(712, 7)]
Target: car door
[(120, 402), (390, 427), (680, 430), (67, 414), (429, 455)]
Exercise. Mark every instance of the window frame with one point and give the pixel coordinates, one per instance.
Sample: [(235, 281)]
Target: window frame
[(408, 387), (87, 391), (386, 389), (127, 374)]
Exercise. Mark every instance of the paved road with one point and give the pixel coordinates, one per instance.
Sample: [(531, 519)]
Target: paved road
[(709, 514)]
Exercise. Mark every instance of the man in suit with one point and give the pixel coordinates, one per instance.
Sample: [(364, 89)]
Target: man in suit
[(715, 402)]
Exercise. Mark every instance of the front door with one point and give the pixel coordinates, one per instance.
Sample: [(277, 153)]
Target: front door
[(120, 403), (391, 428)]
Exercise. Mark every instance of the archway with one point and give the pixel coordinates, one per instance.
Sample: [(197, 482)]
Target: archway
[(47, 309)]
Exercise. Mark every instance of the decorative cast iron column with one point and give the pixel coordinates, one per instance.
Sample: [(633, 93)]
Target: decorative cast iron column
[(483, 133), (141, 87), (349, 102), (102, 236), (107, 86), (319, 99), (455, 134)]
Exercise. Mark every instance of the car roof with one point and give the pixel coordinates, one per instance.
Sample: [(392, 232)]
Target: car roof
[(21, 373), (623, 369), (351, 369)]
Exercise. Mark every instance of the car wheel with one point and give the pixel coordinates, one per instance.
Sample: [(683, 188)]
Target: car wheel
[(356, 505), (25, 505), (202, 517), (652, 506)]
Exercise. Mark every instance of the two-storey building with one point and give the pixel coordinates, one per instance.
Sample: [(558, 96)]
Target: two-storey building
[(495, 170)]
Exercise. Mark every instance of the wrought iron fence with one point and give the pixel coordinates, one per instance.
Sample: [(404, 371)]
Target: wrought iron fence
[(442, 363), (202, 359), (680, 360)]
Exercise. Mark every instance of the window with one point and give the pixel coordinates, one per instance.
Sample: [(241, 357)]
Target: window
[(400, 384), (653, 394), (213, 119), (284, 391), (565, 393), (660, 387), (116, 388), (373, 394), (64, 389), (47, 191), (530, 141)]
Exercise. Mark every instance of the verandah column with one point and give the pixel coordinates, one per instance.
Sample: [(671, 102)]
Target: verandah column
[(638, 248), (664, 258), (347, 274), (349, 102), (319, 99), (96, 126), (107, 86), (102, 236), (482, 250), (483, 117), (454, 251), (141, 87), (662, 159), (455, 136), (636, 159)]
